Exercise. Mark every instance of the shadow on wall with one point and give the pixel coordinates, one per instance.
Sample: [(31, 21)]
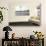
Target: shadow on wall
[(0, 42)]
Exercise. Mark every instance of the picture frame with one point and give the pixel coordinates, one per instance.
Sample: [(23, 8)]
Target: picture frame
[(27, 16)]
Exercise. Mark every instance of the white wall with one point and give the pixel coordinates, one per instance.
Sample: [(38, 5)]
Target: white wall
[(20, 31)]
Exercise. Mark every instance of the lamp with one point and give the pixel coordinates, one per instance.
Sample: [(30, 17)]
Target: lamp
[(7, 28)]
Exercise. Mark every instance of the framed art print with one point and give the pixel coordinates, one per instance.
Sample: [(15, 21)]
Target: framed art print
[(27, 13)]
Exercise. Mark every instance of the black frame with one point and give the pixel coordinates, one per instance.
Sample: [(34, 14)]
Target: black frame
[(23, 24)]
